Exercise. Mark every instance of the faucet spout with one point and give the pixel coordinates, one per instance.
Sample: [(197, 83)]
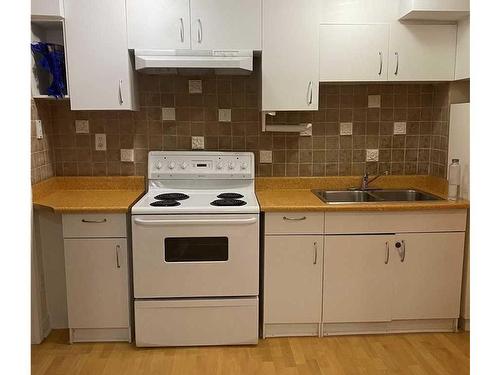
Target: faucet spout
[(365, 181)]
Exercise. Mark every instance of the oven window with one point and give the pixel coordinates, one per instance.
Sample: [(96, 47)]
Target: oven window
[(196, 249)]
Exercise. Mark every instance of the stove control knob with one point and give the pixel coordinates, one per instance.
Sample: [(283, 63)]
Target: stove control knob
[(244, 165), (231, 165), (219, 165), (171, 165), (158, 165), (184, 165)]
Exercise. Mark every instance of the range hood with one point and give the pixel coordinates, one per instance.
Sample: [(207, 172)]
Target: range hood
[(158, 61)]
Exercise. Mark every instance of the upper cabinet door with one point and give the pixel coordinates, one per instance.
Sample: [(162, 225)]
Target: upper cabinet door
[(158, 24), (353, 52), (100, 71), (422, 52), (462, 69), (290, 55), (226, 24), (47, 8)]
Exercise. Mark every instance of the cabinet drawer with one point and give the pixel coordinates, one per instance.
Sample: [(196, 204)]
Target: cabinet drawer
[(94, 225), (395, 222), (194, 322), (294, 223)]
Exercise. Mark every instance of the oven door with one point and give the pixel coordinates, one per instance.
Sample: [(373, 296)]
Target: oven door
[(195, 255)]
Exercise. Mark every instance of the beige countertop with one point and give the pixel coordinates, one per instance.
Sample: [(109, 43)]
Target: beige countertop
[(294, 194), (88, 194)]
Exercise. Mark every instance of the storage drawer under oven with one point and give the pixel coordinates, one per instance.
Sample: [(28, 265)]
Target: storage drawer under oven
[(184, 322), (195, 256)]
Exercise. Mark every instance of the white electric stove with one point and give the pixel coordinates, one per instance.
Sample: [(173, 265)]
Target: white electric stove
[(195, 246)]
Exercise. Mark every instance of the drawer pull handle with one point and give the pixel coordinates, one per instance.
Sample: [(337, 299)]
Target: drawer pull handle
[(294, 218), (386, 252), (94, 221), (118, 265)]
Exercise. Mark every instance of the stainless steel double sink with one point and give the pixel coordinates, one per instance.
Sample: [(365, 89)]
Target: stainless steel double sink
[(374, 195)]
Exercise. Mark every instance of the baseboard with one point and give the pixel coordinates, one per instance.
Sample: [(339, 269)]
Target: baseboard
[(464, 324), (395, 326), (99, 334), (291, 329)]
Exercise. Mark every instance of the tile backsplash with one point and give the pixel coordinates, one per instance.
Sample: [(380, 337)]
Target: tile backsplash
[(42, 154), (401, 128)]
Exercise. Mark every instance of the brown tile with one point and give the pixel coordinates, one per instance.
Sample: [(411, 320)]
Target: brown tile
[(346, 142), (305, 169), (331, 169)]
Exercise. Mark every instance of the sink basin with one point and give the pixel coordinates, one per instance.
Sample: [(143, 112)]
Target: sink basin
[(382, 195), (404, 195), (344, 196)]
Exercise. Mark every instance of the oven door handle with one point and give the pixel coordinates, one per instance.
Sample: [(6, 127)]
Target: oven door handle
[(195, 222)]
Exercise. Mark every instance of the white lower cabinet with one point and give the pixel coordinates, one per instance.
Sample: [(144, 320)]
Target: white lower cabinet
[(365, 282), (97, 287), (427, 275), (292, 284), (357, 279)]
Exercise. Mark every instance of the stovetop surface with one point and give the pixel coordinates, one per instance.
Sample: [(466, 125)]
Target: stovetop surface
[(206, 177)]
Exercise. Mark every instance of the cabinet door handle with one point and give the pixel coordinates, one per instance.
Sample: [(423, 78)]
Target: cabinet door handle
[(181, 30), (315, 261), (294, 218), (397, 63), (120, 91), (94, 221), (386, 252), (200, 31), (380, 63), (118, 265), (309, 93), (401, 247)]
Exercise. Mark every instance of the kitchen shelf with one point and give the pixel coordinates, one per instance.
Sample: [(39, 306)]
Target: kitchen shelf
[(49, 30)]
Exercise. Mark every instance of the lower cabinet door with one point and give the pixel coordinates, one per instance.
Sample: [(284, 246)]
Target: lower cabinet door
[(427, 275), (97, 283), (292, 279), (357, 278)]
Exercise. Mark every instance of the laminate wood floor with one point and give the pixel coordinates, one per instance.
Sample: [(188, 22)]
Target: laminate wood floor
[(405, 354)]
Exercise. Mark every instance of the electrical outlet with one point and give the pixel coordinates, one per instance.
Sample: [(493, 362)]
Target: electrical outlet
[(224, 115), (127, 154), (38, 129), (400, 128), (195, 86), (373, 101), (100, 142), (346, 128), (82, 126), (265, 157), (372, 155), (168, 114), (197, 143)]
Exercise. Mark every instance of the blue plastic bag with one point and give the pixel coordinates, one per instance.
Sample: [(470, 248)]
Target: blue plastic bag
[(51, 58)]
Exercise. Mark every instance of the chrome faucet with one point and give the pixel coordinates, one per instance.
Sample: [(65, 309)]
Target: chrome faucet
[(365, 181)]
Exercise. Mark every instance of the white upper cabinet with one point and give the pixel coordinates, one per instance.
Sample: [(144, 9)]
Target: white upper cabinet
[(100, 71), (432, 10), (353, 52), (158, 24), (47, 8), (462, 68), (422, 52), (194, 24), (226, 24), (290, 55)]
